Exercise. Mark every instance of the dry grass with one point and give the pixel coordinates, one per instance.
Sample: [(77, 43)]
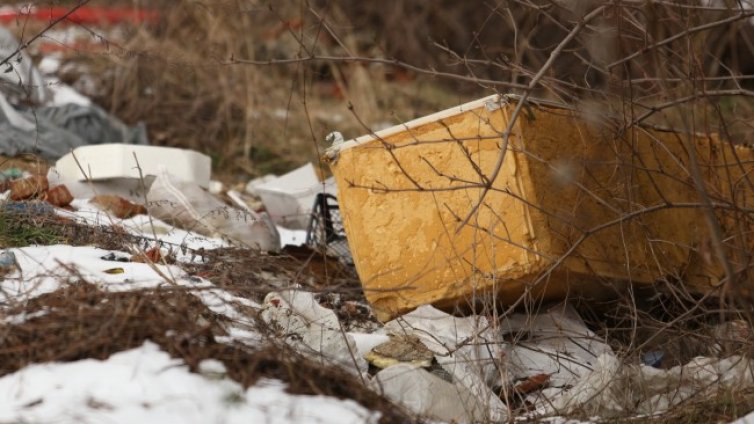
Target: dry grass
[(80, 321), (176, 78)]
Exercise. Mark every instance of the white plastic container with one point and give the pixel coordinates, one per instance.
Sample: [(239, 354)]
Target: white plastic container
[(289, 198), (110, 161)]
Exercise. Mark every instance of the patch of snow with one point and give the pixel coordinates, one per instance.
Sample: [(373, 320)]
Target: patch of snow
[(146, 385), (22, 317), (42, 269), (144, 226)]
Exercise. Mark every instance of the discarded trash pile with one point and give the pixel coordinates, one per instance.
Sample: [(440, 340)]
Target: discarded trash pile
[(136, 288), (234, 314), (108, 310), (165, 282)]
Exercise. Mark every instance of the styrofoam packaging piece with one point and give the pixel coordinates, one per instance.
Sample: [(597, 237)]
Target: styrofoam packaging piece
[(106, 161), (133, 189), (289, 198), (553, 222)]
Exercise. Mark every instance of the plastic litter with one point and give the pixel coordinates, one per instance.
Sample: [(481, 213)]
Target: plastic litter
[(555, 342), (19, 79), (51, 132), (188, 206), (653, 358), (11, 174), (614, 388), (34, 208), (312, 328), (465, 348), (52, 129), (58, 196), (28, 187), (133, 189), (7, 259), (289, 198), (428, 395), (325, 230)]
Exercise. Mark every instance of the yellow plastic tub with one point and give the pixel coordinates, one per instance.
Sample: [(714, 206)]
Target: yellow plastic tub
[(573, 207)]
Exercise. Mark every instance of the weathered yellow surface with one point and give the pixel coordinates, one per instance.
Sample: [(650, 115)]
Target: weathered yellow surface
[(573, 203)]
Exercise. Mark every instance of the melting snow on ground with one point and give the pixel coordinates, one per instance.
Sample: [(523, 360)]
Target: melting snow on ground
[(145, 385)]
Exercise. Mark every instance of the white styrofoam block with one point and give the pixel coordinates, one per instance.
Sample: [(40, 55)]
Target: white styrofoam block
[(106, 161), (289, 198)]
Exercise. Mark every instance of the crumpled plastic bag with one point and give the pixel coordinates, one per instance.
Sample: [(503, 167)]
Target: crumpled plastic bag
[(312, 328), (430, 396), (613, 388), (556, 342), (188, 206), (19, 79), (464, 347)]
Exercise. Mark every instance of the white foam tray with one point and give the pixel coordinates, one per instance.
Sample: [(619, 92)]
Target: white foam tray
[(107, 161)]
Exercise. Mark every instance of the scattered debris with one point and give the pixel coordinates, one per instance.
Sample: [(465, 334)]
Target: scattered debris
[(53, 131), (118, 206), (303, 323), (289, 198), (58, 196), (8, 262), (326, 231), (401, 350), (152, 255), (187, 206), (26, 188), (555, 342), (20, 80), (240, 324), (91, 15), (428, 395), (175, 323), (465, 348)]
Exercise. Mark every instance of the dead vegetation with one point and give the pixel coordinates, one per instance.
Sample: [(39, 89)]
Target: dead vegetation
[(80, 321), (179, 79)]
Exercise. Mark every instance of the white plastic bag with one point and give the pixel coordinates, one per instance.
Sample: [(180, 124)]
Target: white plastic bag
[(186, 205)]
